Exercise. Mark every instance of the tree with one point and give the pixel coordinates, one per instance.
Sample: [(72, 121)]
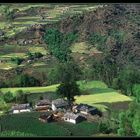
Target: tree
[(129, 121), (63, 72), (17, 60), (68, 90), (28, 81), (8, 97), (7, 12), (126, 80), (21, 97), (58, 44), (3, 104)]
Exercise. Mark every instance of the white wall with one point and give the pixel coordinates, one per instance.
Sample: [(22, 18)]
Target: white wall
[(23, 110), (83, 112), (53, 107), (70, 120)]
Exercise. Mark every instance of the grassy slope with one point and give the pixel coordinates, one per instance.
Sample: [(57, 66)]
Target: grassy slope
[(31, 89)]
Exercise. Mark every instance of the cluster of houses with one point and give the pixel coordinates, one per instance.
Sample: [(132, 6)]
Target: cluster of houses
[(58, 110)]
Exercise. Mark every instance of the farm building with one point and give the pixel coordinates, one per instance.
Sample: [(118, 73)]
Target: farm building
[(73, 118), (59, 103), (46, 117), (43, 104), (20, 108), (86, 109)]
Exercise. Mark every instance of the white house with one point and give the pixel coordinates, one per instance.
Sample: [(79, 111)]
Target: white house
[(59, 103), (73, 118), (20, 108)]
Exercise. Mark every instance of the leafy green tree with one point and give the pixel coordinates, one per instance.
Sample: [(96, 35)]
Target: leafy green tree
[(127, 78), (7, 12), (8, 97), (129, 124), (63, 71), (17, 60), (3, 104), (27, 81), (68, 90), (21, 97), (58, 44)]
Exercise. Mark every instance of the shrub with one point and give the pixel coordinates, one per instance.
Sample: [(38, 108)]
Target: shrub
[(8, 97)]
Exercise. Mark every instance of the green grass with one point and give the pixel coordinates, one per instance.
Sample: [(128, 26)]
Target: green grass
[(29, 123), (38, 64), (13, 55), (38, 49), (96, 93), (81, 47), (7, 66), (31, 89), (98, 99)]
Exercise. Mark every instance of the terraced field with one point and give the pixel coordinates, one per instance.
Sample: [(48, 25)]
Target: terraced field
[(52, 13)]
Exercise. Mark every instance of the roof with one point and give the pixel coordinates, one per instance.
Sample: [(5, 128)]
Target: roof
[(43, 102), (60, 102), (71, 115), (45, 115), (1, 33), (21, 106), (85, 107)]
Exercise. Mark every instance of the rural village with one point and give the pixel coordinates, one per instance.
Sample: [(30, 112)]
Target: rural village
[(69, 69), (58, 110)]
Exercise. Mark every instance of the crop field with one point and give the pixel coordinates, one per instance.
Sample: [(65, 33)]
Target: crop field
[(38, 49), (7, 66), (13, 55), (29, 123), (81, 47), (52, 14), (94, 95)]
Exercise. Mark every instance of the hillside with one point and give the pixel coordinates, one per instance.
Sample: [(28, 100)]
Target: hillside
[(115, 28), (68, 63)]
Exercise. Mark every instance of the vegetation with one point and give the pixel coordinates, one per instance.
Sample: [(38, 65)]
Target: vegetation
[(58, 43), (22, 80), (127, 79), (32, 56), (130, 120), (8, 97), (77, 55), (25, 123), (15, 134), (68, 90), (31, 89), (7, 12), (17, 60)]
